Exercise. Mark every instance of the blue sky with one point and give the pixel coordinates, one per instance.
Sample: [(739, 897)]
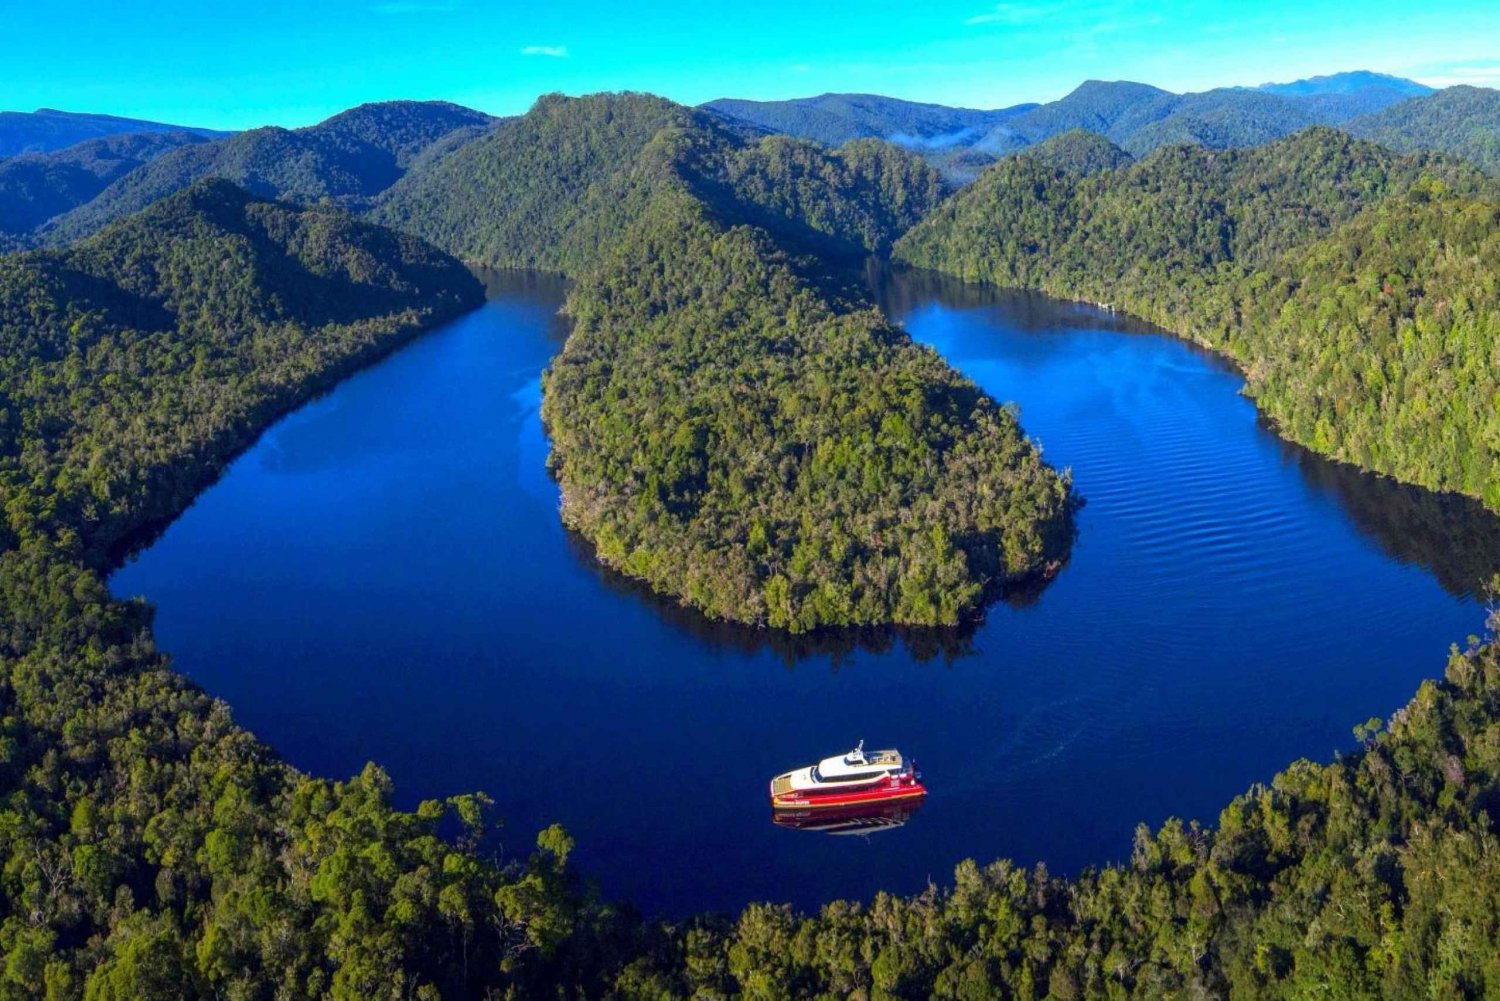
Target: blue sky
[(242, 64)]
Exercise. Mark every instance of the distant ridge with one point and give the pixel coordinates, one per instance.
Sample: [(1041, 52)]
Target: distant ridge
[(1351, 82), (348, 158), (47, 129), (1136, 117)]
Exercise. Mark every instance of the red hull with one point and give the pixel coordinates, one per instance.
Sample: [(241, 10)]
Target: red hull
[(881, 792)]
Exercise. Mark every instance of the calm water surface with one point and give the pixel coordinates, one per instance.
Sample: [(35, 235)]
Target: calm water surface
[(384, 577)]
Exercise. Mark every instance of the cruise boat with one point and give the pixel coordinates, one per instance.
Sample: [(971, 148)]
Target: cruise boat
[(847, 780)]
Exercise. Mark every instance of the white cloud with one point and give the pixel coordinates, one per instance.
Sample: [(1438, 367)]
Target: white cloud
[(1474, 72), (552, 51)]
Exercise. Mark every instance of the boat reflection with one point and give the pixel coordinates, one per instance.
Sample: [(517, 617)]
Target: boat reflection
[(868, 818)]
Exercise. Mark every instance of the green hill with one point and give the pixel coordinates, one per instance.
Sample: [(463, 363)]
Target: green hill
[(805, 464), (169, 339), (556, 188), (349, 158), (1077, 152), (1464, 121), (35, 187), (1352, 289), (718, 486)]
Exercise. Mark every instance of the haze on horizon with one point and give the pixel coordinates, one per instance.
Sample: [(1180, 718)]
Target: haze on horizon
[(295, 64)]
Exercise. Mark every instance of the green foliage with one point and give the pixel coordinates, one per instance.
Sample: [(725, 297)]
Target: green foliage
[(548, 190), (38, 186), (722, 427), (724, 431), (1356, 288), (557, 188), (149, 847), (1078, 152), (1464, 121)]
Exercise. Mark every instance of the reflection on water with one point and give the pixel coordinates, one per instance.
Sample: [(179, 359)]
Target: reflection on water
[(1453, 536), (870, 818), (384, 577)]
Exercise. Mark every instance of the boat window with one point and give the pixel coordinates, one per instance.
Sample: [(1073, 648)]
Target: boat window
[(817, 776)]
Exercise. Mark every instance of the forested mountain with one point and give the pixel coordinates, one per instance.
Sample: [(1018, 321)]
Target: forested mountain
[(44, 129), (1355, 286), (766, 482), (1077, 152), (556, 188), (349, 158), (1464, 121), (805, 464), (1137, 117), (35, 187)]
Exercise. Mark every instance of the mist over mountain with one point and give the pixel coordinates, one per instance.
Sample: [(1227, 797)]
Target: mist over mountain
[(45, 130), (1136, 117)]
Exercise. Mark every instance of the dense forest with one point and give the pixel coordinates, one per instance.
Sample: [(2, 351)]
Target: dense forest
[(726, 433), (734, 428), (1464, 121), (1356, 287), (36, 187), (805, 465)]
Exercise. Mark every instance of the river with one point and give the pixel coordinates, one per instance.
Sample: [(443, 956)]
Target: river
[(384, 577)]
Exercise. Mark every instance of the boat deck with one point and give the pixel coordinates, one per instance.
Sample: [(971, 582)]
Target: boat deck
[(781, 784)]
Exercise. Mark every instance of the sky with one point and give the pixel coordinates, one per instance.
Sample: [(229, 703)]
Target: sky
[(243, 64)]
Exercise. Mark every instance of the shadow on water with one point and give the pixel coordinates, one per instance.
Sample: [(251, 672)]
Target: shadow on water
[(536, 286), (1454, 537), (838, 646)]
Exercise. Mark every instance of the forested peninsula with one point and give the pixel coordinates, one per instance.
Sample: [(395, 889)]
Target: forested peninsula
[(1357, 288), (726, 424)]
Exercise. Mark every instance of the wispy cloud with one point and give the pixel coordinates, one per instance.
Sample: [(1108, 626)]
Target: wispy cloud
[(551, 51), (1474, 72), (1015, 13), (414, 7)]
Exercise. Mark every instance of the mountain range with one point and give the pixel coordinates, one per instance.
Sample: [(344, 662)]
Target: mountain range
[(1135, 116), (44, 130), (381, 157)]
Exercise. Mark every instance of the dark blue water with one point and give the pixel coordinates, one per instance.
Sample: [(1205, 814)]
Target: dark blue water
[(384, 577)]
